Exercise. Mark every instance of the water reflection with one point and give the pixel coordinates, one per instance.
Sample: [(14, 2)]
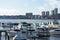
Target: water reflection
[(54, 38), (43, 38)]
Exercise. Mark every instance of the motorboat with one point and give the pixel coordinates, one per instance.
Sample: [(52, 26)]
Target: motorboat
[(42, 32), (11, 33), (18, 37), (55, 32)]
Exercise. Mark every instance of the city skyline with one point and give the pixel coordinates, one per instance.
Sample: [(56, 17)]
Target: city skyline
[(20, 7), (45, 15)]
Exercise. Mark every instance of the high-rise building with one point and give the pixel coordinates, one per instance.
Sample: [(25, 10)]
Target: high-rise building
[(47, 13), (29, 15), (52, 12), (43, 13), (56, 11)]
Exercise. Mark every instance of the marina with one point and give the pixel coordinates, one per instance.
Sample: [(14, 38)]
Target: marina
[(30, 31)]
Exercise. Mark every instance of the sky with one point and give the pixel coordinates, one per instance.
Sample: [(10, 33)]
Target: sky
[(21, 7)]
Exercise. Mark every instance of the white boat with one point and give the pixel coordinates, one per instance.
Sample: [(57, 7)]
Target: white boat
[(11, 33), (43, 32), (55, 32), (17, 37)]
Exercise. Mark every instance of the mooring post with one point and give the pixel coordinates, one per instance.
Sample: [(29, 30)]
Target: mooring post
[(6, 36), (0, 35)]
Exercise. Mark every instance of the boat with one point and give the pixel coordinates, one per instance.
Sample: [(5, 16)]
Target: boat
[(55, 32), (42, 32), (18, 37), (11, 33)]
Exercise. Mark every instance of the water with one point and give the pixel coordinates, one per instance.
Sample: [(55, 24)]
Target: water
[(23, 20), (55, 38), (45, 38), (50, 38)]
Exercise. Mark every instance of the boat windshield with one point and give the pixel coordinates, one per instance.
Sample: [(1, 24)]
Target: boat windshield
[(57, 30)]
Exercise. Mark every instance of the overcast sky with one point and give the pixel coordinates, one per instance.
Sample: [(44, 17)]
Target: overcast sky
[(20, 7)]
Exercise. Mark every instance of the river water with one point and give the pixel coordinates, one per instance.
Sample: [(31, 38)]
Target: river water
[(43, 38), (50, 38)]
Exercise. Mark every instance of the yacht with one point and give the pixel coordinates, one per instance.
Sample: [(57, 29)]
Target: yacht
[(21, 35), (42, 32), (55, 32), (11, 33)]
